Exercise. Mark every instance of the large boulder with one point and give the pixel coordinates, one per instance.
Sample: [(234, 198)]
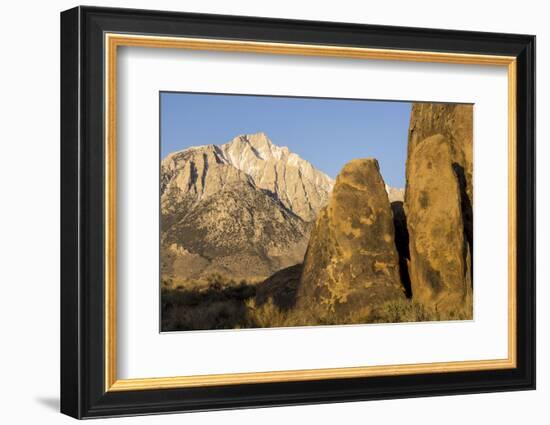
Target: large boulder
[(280, 288), (351, 265), (455, 123), (440, 255), (452, 121)]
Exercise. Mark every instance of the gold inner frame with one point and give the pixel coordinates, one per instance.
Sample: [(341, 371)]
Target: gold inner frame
[(113, 41)]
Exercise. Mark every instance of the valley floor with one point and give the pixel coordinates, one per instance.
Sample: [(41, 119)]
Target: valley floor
[(242, 305)]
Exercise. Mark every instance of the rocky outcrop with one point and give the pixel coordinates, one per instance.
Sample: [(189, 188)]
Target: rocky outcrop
[(440, 256), (281, 288), (248, 209), (455, 123), (240, 210), (351, 264)]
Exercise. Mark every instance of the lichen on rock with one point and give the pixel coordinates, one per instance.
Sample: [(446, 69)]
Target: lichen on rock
[(351, 263), (439, 250)]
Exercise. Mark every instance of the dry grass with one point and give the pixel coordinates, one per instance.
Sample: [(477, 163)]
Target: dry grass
[(268, 315), (214, 307), (412, 311), (402, 311), (230, 305)]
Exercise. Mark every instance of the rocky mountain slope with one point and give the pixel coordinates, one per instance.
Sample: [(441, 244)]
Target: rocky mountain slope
[(299, 186), (240, 210)]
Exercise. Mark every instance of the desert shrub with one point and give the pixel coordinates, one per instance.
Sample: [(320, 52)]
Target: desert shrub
[(411, 311), (268, 315), (390, 312), (215, 315), (229, 305), (215, 307)]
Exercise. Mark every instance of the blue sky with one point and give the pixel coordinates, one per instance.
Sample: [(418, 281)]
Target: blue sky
[(326, 132)]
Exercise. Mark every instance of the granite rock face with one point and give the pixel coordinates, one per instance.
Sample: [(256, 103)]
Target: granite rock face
[(351, 264), (297, 184), (240, 210), (452, 121), (281, 288), (440, 256), (455, 123)]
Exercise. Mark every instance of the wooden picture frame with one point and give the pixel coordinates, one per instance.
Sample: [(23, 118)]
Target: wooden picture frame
[(90, 38)]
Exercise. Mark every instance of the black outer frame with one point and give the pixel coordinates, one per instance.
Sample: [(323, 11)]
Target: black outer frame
[(82, 219)]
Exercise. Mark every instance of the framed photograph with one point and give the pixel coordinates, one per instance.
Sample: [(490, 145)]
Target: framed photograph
[(261, 212)]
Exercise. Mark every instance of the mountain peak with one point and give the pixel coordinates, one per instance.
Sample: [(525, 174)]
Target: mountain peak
[(259, 143), (285, 176), (258, 139), (395, 193)]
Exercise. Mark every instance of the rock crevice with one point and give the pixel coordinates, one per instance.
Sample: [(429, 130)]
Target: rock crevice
[(438, 207)]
